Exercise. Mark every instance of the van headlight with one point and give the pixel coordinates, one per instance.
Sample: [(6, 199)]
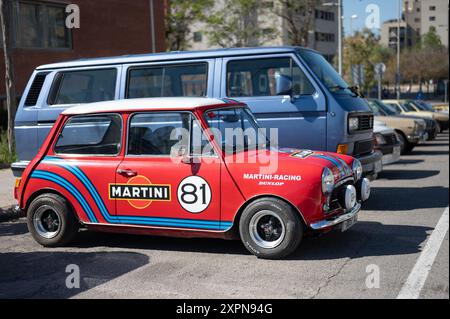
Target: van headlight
[(327, 181), (357, 169), (353, 124)]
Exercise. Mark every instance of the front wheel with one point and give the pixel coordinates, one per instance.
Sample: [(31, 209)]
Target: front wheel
[(50, 221), (270, 228)]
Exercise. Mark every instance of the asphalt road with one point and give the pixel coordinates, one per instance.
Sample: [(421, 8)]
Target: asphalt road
[(406, 204)]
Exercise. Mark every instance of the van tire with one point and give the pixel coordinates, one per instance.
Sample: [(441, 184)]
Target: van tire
[(51, 221), (270, 214)]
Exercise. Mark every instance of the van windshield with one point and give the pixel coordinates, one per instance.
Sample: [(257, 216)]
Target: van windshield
[(325, 72)]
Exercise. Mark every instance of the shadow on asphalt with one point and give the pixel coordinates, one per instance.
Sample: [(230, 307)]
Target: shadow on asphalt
[(43, 274), (427, 153), (409, 161), (407, 198), (398, 174), (13, 229)]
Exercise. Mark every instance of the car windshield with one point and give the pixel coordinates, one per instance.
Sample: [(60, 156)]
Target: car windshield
[(325, 72), (388, 109), (375, 108), (236, 130), (408, 107), (421, 105)]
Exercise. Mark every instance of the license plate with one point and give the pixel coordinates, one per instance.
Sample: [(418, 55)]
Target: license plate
[(349, 223), (378, 167)]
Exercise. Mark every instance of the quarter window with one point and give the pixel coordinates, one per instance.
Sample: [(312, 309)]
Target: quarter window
[(266, 77), (168, 81), (84, 86), (91, 135)]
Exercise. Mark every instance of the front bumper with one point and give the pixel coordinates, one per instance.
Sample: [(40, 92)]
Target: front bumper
[(332, 222), (371, 163), (392, 157)]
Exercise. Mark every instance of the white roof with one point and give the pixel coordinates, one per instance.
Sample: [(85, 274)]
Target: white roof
[(144, 104)]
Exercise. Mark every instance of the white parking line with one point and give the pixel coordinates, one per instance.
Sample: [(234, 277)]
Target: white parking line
[(416, 279)]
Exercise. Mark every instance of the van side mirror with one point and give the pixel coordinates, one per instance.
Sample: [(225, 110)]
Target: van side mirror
[(283, 85)]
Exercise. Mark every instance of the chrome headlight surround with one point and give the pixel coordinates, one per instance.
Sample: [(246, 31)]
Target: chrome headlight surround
[(357, 169), (327, 181)]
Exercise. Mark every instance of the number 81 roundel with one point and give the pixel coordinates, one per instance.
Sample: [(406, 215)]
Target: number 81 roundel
[(194, 194)]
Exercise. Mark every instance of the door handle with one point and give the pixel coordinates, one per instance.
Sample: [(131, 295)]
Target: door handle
[(127, 172)]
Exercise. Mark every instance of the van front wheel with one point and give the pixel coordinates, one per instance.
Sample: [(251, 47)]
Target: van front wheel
[(50, 221), (270, 228)]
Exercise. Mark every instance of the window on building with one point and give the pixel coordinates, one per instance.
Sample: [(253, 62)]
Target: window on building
[(42, 25), (266, 77), (91, 135), (168, 80), (86, 86), (324, 37), (432, 8), (432, 18)]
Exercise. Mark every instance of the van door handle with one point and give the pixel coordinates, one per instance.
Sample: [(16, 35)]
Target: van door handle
[(127, 172)]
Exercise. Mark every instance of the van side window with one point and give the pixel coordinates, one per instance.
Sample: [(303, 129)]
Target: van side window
[(91, 135), (157, 133), (167, 81), (266, 77), (86, 86)]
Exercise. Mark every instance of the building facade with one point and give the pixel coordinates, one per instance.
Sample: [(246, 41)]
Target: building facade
[(107, 28)]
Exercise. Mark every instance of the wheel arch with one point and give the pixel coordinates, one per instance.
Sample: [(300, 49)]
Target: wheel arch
[(235, 228)]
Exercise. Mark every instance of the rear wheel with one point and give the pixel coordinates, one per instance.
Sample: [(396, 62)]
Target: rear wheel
[(50, 221), (405, 146), (270, 228)]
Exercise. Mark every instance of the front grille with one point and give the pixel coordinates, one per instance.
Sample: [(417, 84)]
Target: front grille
[(365, 122), (363, 147)]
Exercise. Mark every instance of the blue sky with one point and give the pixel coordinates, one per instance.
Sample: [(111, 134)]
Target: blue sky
[(388, 10)]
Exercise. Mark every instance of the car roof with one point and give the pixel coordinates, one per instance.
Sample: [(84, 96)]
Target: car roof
[(167, 56), (145, 104)]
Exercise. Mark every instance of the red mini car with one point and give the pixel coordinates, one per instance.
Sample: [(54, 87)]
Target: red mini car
[(185, 167)]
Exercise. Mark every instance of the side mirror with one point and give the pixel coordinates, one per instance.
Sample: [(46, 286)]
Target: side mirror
[(283, 85)]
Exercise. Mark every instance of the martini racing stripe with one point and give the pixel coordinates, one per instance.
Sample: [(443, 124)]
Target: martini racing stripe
[(138, 220), (69, 187), (334, 161)]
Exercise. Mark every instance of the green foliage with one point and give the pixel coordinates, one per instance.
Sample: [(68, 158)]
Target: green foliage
[(6, 157), (181, 15), (364, 49), (235, 24), (431, 39)]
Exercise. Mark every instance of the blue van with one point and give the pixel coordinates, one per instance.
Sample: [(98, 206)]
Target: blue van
[(293, 89)]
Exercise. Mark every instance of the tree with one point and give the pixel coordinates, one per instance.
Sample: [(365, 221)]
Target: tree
[(11, 99), (298, 16), (180, 16), (431, 39), (364, 49), (237, 23)]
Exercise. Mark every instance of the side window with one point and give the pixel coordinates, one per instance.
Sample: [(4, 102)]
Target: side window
[(266, 77), (200, 146), (91, 135), (85, 86), (167, 81), (157, 133)]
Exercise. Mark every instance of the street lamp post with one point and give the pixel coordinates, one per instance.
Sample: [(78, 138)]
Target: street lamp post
[(397, 77)]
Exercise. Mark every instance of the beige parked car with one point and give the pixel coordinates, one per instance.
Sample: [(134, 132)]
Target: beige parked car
[(410, 131), (408, 107)]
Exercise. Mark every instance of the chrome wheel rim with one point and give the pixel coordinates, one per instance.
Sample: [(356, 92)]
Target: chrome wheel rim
[(267, 229), (47, 222)]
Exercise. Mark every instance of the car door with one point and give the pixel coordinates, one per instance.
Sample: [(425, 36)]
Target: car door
[(154, 187), (281, 95)]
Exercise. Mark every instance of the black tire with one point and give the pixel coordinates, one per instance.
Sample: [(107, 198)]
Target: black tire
[(57, 208), (282, 212), (405, 146)]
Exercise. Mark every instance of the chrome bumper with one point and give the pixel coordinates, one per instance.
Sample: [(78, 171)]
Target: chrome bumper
[(338, 220), (18, 168)]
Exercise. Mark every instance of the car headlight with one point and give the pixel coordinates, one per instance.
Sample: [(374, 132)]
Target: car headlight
[(357, 169), (327, 181), (353, 124), (380, 138)]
